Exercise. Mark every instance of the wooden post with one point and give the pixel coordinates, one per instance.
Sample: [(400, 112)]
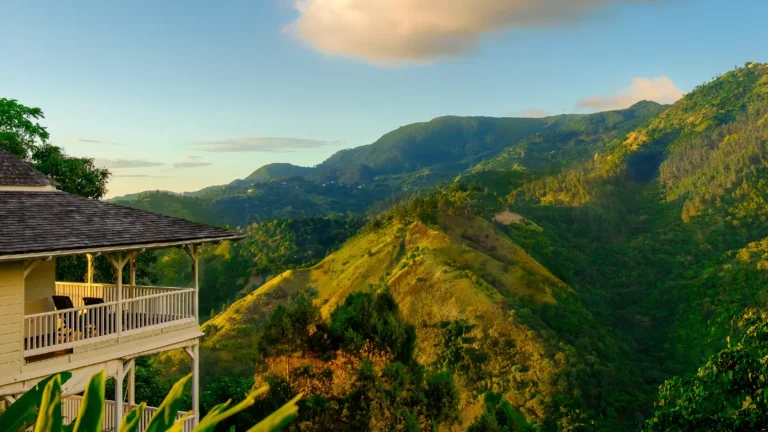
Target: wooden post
[(132, 278), (196, 382), (118, 261), (119, 395), (132, 384), (90, 271), (192, 251), (196, 272), (132, 273), (194, 355)]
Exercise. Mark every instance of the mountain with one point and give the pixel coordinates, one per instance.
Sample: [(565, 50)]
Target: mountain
[(575, 140), (622, 252), (406, 160), (480, 305), (277, 171)]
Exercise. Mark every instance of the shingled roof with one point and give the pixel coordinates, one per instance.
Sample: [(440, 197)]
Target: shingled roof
[(38, 220), (57, 222), (14, 172)]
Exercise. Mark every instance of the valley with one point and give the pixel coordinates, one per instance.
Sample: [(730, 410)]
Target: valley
[(589, 272)]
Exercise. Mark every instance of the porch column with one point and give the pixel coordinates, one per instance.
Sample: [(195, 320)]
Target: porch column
[(90, 271), (118, 261), (132, 277), (132, 272), (196, 382), (196, 272), (192, 251), (132, 384), (194, 355), (119, 376)]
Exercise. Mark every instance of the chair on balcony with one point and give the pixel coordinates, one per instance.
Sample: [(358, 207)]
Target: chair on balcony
[(104, 321), (89, 301), (63, 303), (71, 322)]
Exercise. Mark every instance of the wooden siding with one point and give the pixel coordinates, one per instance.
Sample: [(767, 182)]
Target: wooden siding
[(39, 286), (11, 313)]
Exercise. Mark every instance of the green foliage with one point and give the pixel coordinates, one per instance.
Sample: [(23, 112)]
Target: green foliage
[(442, 398), (728, 393), (75, 269), (78, 176), (20, 134), (40, 407), (389, 391), (91, 412), (26, 139), (288, 329), (231, 270), (367, 318), (499, 416), (22, 414)]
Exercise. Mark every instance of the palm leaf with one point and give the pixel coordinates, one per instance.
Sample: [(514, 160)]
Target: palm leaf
[(91, 413), (49, 417), (219, 413), (165, 416), (278, 419), (22, 413), (131, 420)]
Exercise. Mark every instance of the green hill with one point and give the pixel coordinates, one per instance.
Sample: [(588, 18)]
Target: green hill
[(277, 171), (626, 245), (458, 274)]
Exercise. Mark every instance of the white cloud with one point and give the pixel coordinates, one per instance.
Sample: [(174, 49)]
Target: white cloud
[(185, 165), (529, 113), (660, 89), (125, 163), (391, 32), (92, 141), (137, 176), (260, 144)]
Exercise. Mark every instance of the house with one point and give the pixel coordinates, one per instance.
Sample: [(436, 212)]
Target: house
[(49, 326)]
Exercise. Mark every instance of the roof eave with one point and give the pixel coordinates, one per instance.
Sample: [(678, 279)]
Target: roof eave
[(116, 248)]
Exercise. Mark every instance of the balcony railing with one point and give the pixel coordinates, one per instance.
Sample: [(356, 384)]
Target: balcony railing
[(142, 308), (108, 292), (71, 406)]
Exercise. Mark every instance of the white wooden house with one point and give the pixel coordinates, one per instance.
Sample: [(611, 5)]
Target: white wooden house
[(93, 326)]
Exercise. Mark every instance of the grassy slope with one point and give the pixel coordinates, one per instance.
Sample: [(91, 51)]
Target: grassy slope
[(463, 270)]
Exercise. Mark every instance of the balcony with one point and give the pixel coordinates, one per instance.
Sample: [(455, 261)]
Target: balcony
[(70, 406), (98, 313)]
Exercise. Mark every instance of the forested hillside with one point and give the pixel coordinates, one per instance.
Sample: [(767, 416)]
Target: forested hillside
[(404, 161), (574, 279)]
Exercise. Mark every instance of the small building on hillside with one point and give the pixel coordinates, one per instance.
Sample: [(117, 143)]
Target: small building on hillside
[(49, 326)]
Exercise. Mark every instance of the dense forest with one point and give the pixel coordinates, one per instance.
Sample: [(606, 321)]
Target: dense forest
[(572, 273)]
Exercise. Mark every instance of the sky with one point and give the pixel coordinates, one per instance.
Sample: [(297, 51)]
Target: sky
[(179, 95)]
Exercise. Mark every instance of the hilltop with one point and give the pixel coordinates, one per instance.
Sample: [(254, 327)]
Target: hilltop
[(456, 274)]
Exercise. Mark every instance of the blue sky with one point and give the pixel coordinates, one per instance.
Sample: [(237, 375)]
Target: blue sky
[(165, 92)]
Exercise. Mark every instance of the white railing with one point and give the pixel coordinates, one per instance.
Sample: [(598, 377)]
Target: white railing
[(158, 309), (64, 329), (71, 406), (107, 292), (76, 291), (57, 330)]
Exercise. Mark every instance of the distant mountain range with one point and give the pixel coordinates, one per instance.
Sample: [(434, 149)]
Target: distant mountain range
[(407, 159)]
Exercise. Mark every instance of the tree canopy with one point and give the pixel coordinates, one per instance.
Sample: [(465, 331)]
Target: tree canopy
[(25, 138)]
